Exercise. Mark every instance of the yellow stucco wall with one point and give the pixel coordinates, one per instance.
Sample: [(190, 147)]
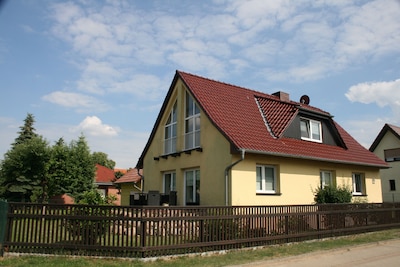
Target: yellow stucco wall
[(126, 189), (389, 141), (214, 155), (297, 180)]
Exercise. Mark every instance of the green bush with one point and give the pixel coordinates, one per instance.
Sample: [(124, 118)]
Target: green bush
[(333, 194)]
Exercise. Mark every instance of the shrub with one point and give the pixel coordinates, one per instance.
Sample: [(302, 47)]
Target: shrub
[(333, 194)]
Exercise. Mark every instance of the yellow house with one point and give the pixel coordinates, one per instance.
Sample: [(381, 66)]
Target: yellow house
[(129, 184), (215, 143), (387, 147)]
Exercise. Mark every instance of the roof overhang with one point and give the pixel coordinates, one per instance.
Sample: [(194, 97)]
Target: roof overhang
[(277, 154)]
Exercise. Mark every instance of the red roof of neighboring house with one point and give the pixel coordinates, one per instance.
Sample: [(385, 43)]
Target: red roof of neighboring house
[(104, 174), (387, 127), (255, 122), (131, 176)]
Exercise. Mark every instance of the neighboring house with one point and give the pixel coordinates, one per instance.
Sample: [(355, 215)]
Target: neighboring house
[(219, 144), (387, 147), (105, 178), (128, 184)]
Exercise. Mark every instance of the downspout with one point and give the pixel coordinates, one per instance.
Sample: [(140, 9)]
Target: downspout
[(141, 177), (227, 169)]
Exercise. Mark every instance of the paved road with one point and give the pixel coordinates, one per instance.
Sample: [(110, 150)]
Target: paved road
[(383, 254)]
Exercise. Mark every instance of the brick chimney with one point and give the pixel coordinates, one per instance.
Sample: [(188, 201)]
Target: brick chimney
[(282, 96)]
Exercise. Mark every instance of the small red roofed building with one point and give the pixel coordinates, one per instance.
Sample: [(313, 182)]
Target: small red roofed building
[(215, 143), (129, 184), (105, 178)]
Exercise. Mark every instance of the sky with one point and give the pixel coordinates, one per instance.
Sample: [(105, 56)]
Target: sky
[(103, 68)]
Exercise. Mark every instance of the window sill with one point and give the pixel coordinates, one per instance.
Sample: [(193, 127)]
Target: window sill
[(267, 194), (359, 195)]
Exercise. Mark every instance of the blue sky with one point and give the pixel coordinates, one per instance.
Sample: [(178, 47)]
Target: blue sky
[(103, 68)]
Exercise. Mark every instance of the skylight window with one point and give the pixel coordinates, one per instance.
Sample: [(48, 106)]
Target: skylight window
[(310, 130)]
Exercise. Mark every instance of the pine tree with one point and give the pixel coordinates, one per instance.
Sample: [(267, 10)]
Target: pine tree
[(27, 131)]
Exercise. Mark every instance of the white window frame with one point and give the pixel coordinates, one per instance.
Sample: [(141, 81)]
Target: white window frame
[(170, 131), (311, 130), (172, 182), (324, 176), (195, 192), (192, 123), (360, 183), (261, 183)]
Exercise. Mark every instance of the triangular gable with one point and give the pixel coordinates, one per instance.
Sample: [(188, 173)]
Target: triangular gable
[(387, 127)]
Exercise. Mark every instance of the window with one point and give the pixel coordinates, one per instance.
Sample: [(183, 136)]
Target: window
[(358, 184), (192, 123), (169, 182), (392, 154), (392, 184), (310, 130), (326, 178), (266, 181), (192, 187), (170, 132)]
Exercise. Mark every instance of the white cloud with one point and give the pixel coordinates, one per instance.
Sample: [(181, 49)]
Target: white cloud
[(75, 100), (93, 126), (380, 93)]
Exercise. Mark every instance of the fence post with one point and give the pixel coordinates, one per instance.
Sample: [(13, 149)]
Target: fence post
[(3, 224)]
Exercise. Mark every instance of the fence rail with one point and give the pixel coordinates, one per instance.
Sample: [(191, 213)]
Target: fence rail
[(145, 231)]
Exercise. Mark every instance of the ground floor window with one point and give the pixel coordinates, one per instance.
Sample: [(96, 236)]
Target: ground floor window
[(358, 184), (326, 178), (192, 187), (266, 181), (392, 184), (169, 182)]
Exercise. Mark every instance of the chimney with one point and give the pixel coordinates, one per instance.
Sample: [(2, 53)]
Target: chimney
[(282, 96)]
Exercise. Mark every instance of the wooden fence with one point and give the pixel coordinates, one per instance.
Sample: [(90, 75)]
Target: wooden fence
[(144, 231)]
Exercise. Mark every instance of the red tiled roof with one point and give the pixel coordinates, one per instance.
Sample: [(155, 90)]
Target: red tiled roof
[(130, 176), (235, 112), (387, 127), (104, 174)]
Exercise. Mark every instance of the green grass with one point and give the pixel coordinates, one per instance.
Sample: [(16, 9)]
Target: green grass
[(229, 258)]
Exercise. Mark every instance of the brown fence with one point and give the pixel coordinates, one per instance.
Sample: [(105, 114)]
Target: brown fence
[(155, 231)]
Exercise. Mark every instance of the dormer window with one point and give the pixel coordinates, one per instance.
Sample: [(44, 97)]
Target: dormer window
[(170, 131), (310, 130), (192, 123)]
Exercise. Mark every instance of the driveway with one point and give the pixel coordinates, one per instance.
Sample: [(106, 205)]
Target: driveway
[(384, 254)]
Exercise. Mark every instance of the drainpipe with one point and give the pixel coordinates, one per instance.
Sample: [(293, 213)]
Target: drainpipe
[(227, 169), (142, 178)]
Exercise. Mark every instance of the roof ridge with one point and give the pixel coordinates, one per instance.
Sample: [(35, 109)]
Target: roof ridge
[(229, 84)]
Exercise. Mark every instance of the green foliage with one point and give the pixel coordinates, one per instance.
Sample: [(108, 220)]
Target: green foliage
[(93, 197), (82, 168), (332, 194), (23, 172), (32, 170), (27, 131), (102, 159)]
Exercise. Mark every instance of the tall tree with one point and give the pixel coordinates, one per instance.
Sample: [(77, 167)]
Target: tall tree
[(102, 159), (59, 172), (83, 169), (23, 172), (27, 131)]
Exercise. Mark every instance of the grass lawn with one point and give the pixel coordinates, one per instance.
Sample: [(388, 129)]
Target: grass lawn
[(229, 258)]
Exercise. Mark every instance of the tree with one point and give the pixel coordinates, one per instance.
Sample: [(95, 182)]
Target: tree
[(23, 172), (102, 159), (27, 131), (82, 168), (59, 171)]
